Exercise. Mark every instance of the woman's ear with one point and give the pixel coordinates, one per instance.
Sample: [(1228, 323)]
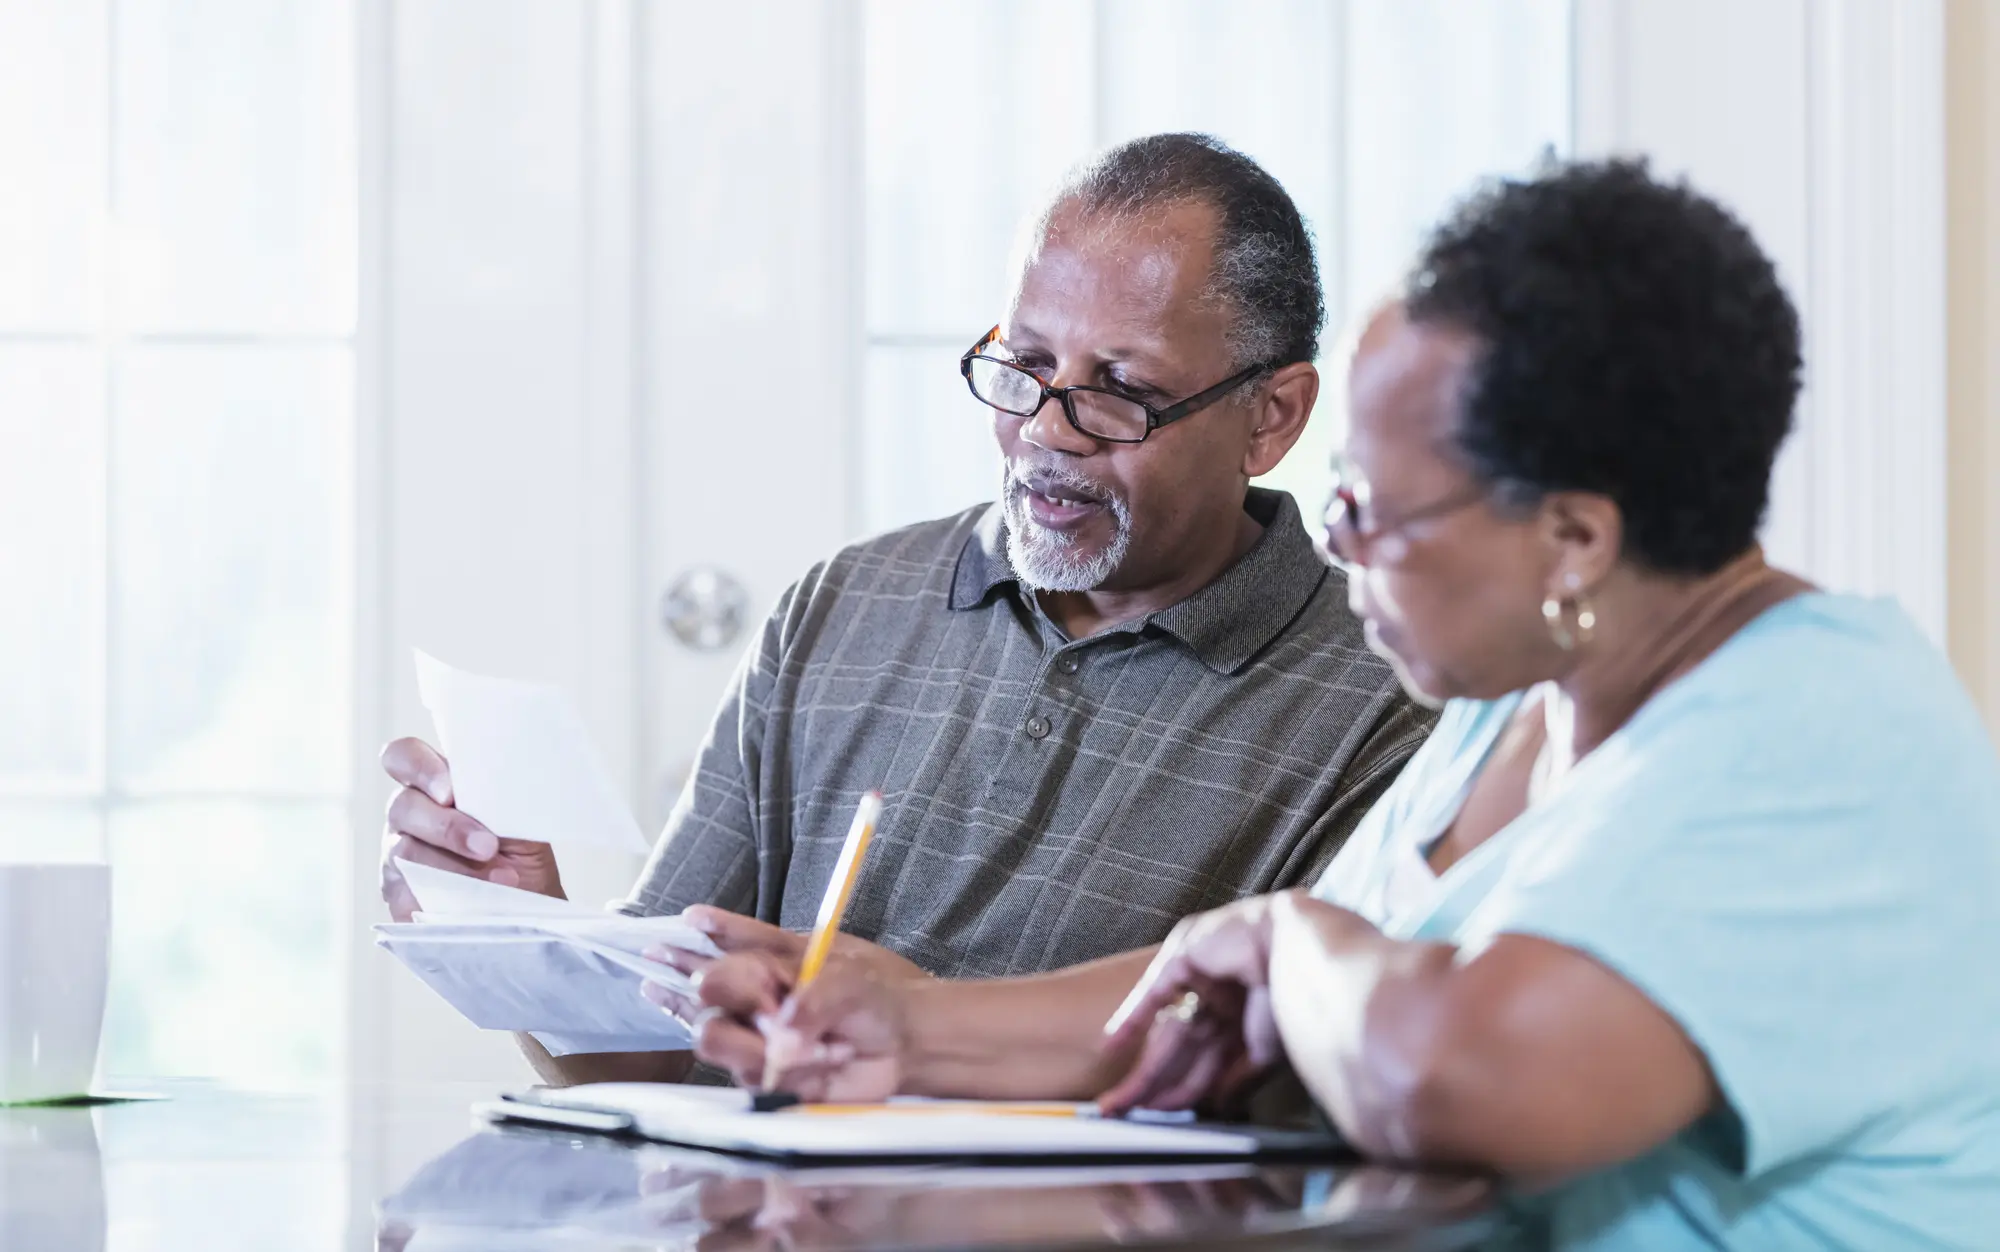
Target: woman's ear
[(1587, 532), (1287, 401)]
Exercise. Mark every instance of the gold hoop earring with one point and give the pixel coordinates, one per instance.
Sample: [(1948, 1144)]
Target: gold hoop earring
[(1552, 617), (1559, 615)]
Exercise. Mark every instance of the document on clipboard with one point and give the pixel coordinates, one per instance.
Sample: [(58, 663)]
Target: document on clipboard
[(723, 1120)]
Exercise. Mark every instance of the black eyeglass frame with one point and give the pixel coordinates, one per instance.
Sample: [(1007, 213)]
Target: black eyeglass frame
[(1155, 417)]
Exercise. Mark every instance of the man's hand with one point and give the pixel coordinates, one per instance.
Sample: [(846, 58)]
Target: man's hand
[(840, 1039), (1203, 1008), (425, 829), (736, 934)]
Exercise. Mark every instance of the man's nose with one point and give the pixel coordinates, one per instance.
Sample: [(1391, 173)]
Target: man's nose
[(1050, 430)]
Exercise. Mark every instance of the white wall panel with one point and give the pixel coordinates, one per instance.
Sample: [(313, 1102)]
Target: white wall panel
[(750, 321), (505, 449), (1821, 124)]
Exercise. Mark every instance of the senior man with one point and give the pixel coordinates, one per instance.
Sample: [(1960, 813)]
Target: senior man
[(1128, 691)]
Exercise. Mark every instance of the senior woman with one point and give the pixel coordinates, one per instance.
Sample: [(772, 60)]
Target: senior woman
[(1685, 913)]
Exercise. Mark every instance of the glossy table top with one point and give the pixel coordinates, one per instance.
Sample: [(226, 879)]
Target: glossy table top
[(410, 1170)]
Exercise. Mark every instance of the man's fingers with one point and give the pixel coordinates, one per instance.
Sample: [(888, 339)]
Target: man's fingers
[(413, 813), (414, 763), (689, 963), (396, 893), (661, 996), (733, 932), (404, 848)]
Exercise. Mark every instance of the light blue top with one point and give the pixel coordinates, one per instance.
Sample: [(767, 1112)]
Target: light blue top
[(1794, 850)]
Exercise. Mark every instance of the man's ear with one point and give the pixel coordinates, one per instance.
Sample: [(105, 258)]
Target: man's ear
[(1284, 403)]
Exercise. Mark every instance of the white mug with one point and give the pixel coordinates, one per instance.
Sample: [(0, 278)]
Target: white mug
[(55, 947)]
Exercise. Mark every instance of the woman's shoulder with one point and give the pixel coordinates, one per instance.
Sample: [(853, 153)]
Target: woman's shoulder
[(1826, 700), (1829, 667)]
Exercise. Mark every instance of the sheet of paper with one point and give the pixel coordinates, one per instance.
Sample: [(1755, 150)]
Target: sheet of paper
[(720, 1118), (529, 981), (521, 760), (445, 894), (445, 897)]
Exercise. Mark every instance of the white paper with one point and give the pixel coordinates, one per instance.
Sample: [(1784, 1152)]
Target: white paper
[(534, 982), (446, 894), (513, 960), (457, 900), (721, 1118), (521, 761)]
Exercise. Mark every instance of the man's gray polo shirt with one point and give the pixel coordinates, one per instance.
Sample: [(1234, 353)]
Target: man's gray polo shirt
[(1049, 800)]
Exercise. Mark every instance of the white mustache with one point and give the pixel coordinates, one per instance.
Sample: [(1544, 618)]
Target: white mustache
[(1019, 476)]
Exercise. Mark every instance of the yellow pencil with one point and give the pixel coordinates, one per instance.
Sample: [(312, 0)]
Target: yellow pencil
[(840, 888), (984, 1108)]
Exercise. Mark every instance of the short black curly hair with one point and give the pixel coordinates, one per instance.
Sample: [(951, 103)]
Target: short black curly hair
[(1636, 342)]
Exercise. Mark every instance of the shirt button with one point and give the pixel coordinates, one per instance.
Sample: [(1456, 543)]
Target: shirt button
[(1067, 664), (1038, 727)]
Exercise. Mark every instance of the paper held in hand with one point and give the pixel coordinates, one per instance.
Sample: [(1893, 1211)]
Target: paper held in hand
[(521, 761), (513, 960)]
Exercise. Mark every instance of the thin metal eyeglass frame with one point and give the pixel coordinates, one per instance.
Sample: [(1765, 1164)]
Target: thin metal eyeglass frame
[(1343, 511), (1155, 417)]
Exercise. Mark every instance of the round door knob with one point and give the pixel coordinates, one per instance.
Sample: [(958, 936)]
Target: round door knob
[(705, 609)]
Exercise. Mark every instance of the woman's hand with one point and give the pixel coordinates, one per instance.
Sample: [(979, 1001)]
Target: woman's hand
[(1203, 1008), (842, 1039)]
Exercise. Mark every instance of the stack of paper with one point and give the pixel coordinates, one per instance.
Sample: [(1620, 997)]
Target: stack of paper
[(514, 960)]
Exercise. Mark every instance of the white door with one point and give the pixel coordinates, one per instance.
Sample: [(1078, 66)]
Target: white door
[(748, 348)]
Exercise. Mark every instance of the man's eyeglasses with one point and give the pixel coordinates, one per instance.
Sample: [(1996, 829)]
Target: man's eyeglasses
[(1351, 532), (1096, 411)]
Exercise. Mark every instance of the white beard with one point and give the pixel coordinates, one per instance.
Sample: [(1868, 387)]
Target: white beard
[(1052, 560)]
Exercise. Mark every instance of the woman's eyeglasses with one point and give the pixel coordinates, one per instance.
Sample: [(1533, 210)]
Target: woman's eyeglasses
[(1350, 532)]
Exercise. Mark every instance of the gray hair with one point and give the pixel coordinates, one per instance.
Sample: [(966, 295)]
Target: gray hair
[(1266, 276)]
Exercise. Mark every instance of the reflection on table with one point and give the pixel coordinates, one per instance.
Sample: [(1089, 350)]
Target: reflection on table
[(406, 1168), (509, 1188)]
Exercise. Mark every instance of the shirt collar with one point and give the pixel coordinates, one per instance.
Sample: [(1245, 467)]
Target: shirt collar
[(1225, 623)]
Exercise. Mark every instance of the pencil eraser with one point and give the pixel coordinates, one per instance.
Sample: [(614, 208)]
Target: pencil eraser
[(772, 1101)]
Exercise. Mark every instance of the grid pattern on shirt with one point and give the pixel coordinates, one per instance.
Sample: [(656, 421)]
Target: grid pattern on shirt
[(1048, 801)]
